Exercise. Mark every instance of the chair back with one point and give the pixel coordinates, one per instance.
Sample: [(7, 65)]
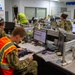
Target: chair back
[(1, 72)]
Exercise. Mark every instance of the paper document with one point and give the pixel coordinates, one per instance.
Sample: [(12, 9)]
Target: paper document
[(50, 57), (26, 56)]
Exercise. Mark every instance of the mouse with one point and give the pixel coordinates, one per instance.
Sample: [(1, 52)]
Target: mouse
[(43, 52)]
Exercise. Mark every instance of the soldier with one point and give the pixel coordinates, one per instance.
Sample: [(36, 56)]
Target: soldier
[(1, 20), (65, 24), (9, 60), (21, 18), (2, 25)]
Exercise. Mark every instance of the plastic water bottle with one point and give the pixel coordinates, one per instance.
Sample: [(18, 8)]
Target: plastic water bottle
[(48, 26), (8, 32), (58, 61), (39, 26)]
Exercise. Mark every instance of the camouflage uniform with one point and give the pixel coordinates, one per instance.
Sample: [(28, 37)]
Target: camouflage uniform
[(14, 62), (66, 25), (2, 33)]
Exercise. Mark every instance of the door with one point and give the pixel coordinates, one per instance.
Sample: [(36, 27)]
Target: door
[(14, 12), (6, 16), (74, 13)]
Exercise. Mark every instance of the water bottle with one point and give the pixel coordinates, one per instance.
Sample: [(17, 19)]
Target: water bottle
[(58, 61), (39, 26), (48, 26), (8, 32)]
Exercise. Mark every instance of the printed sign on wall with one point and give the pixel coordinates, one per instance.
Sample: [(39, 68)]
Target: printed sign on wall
[(2, 12)]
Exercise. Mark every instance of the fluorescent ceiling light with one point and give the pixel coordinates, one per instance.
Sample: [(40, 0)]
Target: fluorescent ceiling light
[(55, 0)]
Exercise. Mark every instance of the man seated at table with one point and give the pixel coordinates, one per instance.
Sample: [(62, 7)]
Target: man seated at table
[(9, 61)]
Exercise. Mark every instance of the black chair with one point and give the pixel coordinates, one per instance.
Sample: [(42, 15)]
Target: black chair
[(1, 72), (19, 72)]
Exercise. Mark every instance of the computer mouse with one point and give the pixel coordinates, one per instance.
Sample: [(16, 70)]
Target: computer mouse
[(43, 52)]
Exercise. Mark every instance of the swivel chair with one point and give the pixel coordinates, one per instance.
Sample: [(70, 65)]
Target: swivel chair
[(19, 72)]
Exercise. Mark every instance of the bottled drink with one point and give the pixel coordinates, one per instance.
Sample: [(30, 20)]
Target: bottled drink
[(38, 26)]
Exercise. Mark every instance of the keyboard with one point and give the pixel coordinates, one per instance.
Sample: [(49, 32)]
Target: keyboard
[(32, 48), (52, 47)]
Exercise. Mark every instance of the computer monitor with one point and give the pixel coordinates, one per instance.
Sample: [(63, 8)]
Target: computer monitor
[(61, 40), (9, 27), (40, 35)]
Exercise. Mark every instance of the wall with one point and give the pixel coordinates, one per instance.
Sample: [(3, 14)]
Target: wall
[(8, 7), (71, 8), (55, 8), (25, 3)]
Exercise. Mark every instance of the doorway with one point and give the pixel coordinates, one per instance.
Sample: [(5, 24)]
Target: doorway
[(6, 16), (74, 13), (15, 12)]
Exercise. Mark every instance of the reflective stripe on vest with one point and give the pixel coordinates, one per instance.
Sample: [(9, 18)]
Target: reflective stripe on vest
[(7, 46), (22, 19), (6, 66), (4, 48)]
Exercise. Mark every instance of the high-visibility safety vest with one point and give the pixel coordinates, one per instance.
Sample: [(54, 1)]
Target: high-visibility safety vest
[(6, 46), (23, 18)]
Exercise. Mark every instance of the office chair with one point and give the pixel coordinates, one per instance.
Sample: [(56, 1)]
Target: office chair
[(19, 72), (1, 72)]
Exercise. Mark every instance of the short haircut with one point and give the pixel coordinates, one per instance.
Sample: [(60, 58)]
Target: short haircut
[(2, 19), (64, 15), (2, 33), (1, 23), (19, 31), (34, 21)]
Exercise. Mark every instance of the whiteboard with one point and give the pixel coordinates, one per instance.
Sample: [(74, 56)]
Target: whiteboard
[(41, 12), (29, 12)]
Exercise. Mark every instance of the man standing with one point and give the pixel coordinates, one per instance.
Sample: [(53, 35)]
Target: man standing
[(21, 18), (64, 23)]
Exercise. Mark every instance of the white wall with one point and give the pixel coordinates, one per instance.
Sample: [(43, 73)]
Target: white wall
[(71, 8), (55, 8), (8, 7), (25, 3)]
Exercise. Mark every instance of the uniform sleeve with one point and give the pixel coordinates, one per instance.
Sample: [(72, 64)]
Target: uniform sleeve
[(14, 62), (70, 25), (61, 24)]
